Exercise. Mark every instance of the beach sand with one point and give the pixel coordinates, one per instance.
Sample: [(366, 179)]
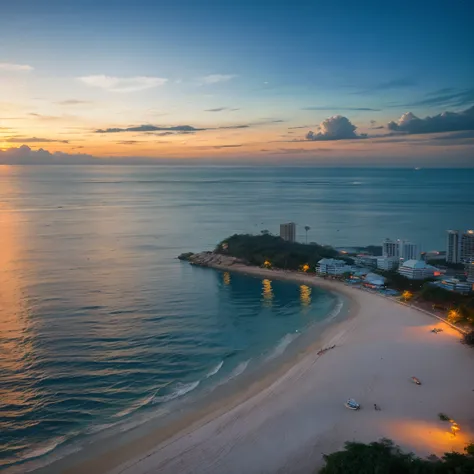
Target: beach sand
[(284, 422)]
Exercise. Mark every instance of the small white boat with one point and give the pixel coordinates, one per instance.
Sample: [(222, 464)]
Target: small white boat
[(352, 404)]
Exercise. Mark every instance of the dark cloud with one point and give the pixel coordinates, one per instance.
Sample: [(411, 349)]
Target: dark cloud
[(445, 122), (360, 109), (33, 140), (379, 127), (221, 109), (335, 128), (151, 128), (128, 142)]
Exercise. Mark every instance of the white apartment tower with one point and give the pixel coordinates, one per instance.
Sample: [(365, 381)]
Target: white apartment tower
[(467, 245), (459, 247), (390, 248), (409, 250), (453, 249), (288, 231)]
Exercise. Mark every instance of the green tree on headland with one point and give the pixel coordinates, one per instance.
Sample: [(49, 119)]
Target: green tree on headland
[(256, 249), (384, 457)]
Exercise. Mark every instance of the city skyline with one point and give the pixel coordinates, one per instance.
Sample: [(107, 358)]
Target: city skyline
[(248, 83)]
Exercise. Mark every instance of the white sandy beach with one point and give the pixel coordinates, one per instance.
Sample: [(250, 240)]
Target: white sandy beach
[(284, 424)]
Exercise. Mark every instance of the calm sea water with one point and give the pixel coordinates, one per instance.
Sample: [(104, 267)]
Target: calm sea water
[(100, 322)]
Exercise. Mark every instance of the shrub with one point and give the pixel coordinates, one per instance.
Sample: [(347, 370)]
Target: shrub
[(385, 457)]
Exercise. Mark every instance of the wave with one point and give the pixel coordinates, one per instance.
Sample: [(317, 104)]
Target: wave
[(43, 449), (181, 389), (356, 182), (336, 310), (285, 341), (215, 369), (134, 407), (236, 372)]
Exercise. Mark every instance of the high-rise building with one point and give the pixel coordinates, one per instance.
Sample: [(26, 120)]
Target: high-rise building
[(408, 250), (467, 245), (453, 248), (469, 267), (288, 231), (459, 247), (390, 248)]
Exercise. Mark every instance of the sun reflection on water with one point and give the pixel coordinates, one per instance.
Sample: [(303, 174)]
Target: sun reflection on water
[(267, 292), (305, 295)]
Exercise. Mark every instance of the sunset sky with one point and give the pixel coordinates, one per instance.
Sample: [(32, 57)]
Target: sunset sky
[(237, 81)]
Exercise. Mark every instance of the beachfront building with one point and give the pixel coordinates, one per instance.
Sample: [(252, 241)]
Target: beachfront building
[(365, 260), (408, 250), (418, 270), (332, 266), (388, 263), (288, 231), (453, 284), (433, 255), (372, 280), (390, 248)]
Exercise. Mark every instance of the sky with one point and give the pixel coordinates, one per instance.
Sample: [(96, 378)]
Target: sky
[(339, 82)]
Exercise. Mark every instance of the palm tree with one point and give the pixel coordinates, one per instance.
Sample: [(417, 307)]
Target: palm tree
[(306, 228)]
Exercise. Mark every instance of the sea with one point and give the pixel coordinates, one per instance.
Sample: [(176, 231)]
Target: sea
[(100, 324)]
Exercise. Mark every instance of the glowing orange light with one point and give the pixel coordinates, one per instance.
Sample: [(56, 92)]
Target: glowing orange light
[(305, 267)]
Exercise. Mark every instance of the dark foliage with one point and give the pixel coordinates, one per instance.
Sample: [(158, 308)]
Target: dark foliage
[(469, 339), (436, 294), (256, 249), (384, 457), (401, 283)]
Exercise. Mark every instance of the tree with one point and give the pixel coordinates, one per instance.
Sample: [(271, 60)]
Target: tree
[(306, 228), (385, 457), (265, 232)]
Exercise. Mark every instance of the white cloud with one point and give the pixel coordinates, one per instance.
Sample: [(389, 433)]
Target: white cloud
[(216, 78), (15, 67), (123, 84), (335, 128)]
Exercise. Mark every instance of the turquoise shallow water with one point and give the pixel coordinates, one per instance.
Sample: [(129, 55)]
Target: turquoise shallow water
[(98, 320)]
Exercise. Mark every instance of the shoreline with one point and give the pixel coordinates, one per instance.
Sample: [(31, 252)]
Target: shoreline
[(160, 449)]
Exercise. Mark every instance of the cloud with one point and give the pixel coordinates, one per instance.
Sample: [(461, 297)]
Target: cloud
[(152, 128), (360, 109), (221, 109), (128, 142), (11, 67), (379, 127), (216, 78), (73, 102), (123, 84), (33, 140), (410, 124), (24, 155), (390, 85), (177, 129), (446, 97), (335, 128), (218, 147)]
